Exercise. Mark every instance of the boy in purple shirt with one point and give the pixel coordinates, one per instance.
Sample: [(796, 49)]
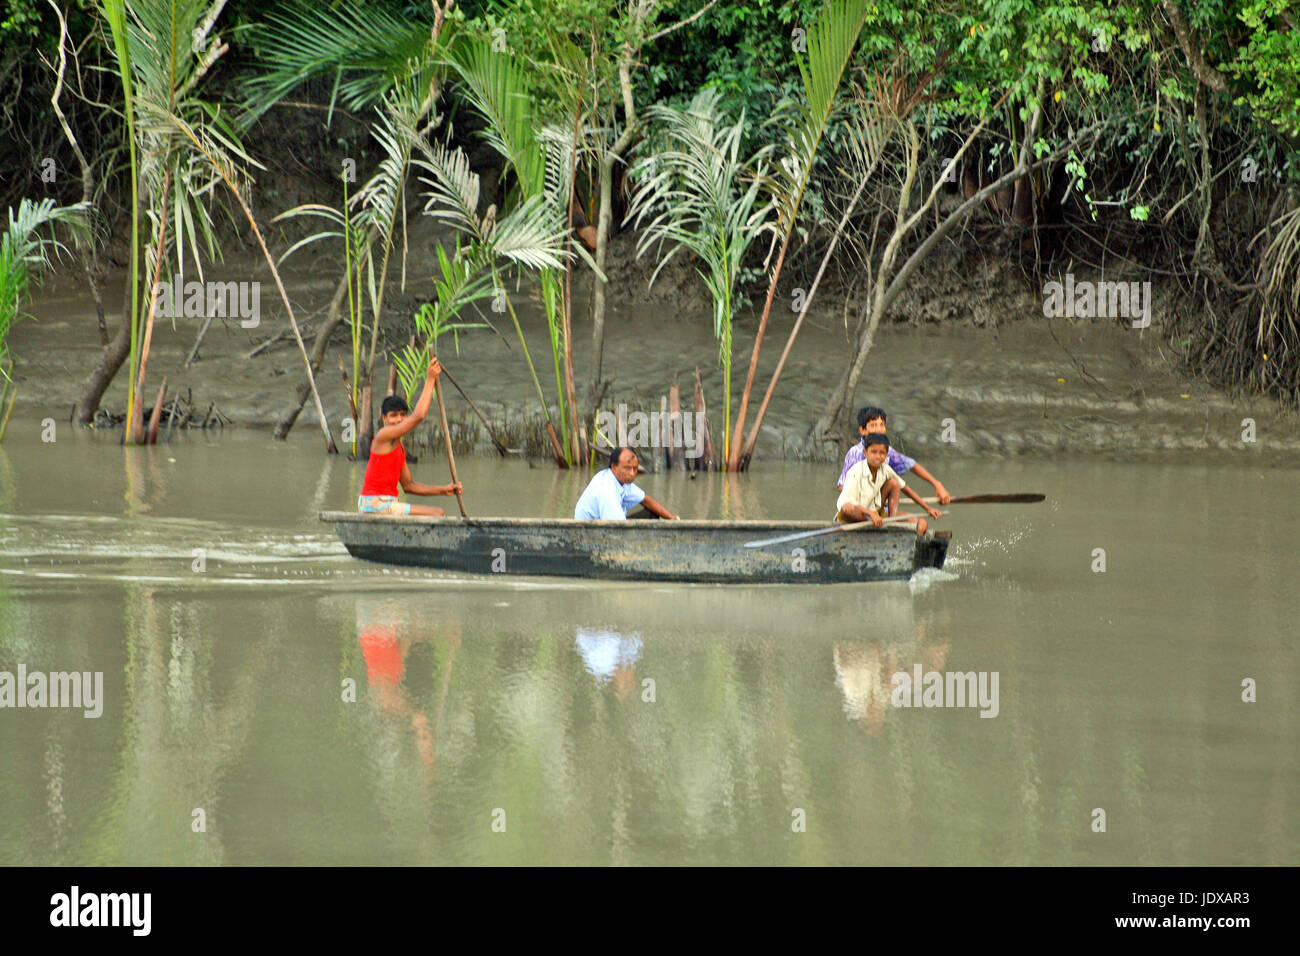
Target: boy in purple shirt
[(871, 420)]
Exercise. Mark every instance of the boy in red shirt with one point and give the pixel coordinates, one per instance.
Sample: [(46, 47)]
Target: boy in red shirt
[(387, 465)]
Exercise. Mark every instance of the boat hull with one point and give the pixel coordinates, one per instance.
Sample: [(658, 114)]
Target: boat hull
[(700, 551)]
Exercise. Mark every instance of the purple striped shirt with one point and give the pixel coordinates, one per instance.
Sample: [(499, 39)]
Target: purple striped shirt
[(896, 460)]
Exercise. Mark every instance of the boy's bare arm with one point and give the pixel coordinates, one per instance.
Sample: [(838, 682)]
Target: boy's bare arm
[(939, 489), (413, 487), (430, 380), (391, 433), (907, 490)]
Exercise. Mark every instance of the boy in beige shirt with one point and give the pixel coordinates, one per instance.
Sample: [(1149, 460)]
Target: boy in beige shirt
[(860, 498)]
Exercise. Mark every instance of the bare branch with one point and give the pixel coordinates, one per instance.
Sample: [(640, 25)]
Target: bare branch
[(939, 181), (205, 26), (681, 23), (210, 57), (960, 213)]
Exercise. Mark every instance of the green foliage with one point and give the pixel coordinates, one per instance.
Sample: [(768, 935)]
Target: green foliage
[(805, 120), (366, 46), (499, 86), (743, 50), (464, 281), (698, 194), (25, 251), (28, 20), (1270, 62), (21, 21), (535, 69)]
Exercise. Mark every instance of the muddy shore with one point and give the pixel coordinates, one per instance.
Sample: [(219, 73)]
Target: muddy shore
[(973, 369)]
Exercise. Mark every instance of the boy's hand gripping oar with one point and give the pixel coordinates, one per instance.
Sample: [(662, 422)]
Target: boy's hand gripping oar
[(852, 526), (446, 437)]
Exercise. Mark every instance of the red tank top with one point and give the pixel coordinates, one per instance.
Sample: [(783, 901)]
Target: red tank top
[(383, 472)]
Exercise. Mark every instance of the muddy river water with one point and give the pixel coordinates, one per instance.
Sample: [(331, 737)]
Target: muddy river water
[(263, 698)]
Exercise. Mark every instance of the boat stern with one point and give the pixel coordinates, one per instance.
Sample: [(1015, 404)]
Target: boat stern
[(932, 549)]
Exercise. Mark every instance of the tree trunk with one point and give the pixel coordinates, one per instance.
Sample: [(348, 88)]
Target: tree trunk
[(86, 249), (840, 404), (155, 416), (888, 289), (110, 360), (706, 461), (604, 217), (1022, 202), (598, 292), (366, 427), (570, 386), (738, 433), (133, 432), (748, 451)]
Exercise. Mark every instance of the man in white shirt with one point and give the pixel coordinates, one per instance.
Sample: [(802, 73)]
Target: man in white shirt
[(860, 498), (610, 494)]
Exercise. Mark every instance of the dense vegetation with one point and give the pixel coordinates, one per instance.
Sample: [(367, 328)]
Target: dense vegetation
[(777, 142)]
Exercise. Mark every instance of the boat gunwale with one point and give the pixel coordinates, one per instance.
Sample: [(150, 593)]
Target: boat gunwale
[(684, 524)]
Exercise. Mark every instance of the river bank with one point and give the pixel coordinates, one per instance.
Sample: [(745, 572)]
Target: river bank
[(980, 372)]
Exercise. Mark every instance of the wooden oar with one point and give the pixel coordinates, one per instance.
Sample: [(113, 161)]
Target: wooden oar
[(831, 530), (1025, 499), (446, 437)]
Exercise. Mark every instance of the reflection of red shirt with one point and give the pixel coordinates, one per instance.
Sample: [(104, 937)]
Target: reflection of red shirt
[(384, 664), (383, 472)]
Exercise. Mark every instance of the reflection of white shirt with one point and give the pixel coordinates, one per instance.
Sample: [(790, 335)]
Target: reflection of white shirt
[(604, 652), (858, 676), (861, 489)]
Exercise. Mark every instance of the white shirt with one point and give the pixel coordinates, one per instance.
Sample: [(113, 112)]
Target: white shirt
[(861, 489), (607, 498)]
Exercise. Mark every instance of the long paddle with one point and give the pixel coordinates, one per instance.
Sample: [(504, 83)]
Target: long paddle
[(446, 437), (1024, 499), (831, 530)]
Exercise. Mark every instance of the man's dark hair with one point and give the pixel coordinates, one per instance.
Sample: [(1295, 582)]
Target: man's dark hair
[(393, 403), (866, 414), (618, 453), (875, 438)]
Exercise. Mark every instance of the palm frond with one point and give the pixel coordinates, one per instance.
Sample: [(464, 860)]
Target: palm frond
[(557, 144), (453, 192), (531, 235), (396, 131), (498, 86), (831, 39), (697, 193), (25, 252), (329, 213), (465, 278), (366, 48)]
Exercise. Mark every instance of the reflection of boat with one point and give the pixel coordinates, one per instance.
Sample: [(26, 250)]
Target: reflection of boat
[(712, 551)]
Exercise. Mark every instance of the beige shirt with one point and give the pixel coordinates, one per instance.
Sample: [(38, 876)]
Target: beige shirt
[(864, 491)]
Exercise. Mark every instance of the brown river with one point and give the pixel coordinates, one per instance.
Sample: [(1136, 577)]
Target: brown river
[(253, 695)]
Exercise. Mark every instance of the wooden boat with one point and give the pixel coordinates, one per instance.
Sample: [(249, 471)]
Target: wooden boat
[(705, 551)]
